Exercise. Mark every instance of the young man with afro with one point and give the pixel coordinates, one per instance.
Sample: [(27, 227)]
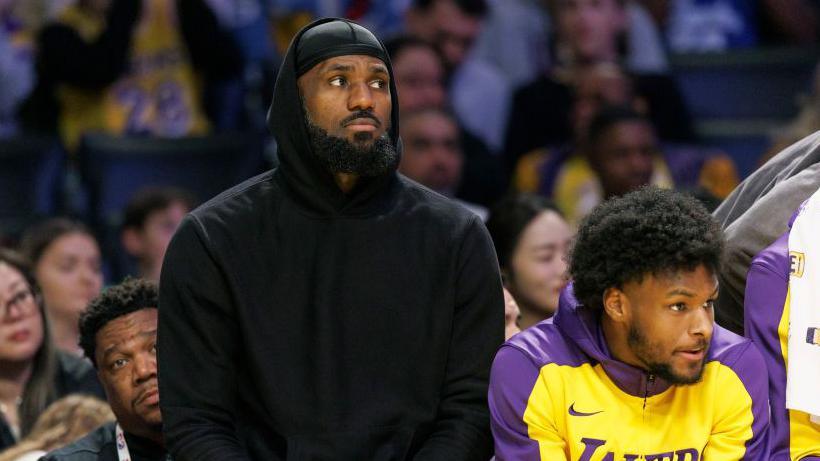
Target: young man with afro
[(632, 366)]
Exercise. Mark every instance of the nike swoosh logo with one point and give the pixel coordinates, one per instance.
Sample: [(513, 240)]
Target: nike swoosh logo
[(573, 412)]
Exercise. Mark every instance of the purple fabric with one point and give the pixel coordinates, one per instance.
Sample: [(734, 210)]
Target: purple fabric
[(511, 381), (744, 358), (766, 287)]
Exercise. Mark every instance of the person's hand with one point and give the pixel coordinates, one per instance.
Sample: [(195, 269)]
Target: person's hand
[(511, 313)]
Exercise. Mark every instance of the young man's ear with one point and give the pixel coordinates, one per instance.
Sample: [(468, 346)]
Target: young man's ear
[(132, 241), (616, 304)]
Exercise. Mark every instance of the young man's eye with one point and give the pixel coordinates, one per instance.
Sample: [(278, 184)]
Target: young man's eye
[(337, 81), (378, 83), (678, 307), (710, 304), (117, 364)]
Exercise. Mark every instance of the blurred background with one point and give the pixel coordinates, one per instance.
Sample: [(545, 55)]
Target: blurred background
[(122, 115)]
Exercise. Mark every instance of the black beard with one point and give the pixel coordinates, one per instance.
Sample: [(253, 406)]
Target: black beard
[(640, 345), (339, 155)]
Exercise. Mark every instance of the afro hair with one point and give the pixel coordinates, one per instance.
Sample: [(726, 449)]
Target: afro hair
[(129, 296), (650, 231)]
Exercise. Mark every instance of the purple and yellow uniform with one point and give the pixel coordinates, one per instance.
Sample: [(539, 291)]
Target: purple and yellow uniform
[(766, 306), (556, 393)]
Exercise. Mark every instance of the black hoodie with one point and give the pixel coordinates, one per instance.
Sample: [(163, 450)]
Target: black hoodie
[(297, 322)]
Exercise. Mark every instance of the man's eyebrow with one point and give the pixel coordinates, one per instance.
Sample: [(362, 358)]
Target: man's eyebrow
[(687, 293), (378, 68), (338, 67), (112, 348)]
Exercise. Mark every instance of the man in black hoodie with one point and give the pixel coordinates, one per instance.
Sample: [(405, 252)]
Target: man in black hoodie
[(330, 308)]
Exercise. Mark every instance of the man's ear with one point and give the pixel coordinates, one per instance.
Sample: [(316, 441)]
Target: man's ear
[(132, 241), (616, 304)]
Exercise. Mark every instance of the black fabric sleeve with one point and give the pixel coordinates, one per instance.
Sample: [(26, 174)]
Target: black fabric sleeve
[(65, 57), (462, 428), (198, 352), (213, 51)]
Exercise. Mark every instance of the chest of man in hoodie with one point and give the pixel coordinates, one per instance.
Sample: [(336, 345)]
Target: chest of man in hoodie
[(341, 328)]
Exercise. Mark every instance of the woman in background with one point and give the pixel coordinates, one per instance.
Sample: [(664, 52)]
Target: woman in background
[(531, 240), (65, 258), (32, 372)]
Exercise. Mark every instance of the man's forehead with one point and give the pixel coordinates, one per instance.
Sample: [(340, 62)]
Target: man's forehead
[(127, 326), (352, 60)]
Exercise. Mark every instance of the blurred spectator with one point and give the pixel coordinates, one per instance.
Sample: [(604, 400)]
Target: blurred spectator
[(419, 73), (432, 153), (588, 33), (131, 66), (65, 258), (32, 372), (621, 155), (119, 336), (151, 218), (517, 39), (478, 93), (63, 422), (531, 239), (511, 313), (249, 22), (16, 63)]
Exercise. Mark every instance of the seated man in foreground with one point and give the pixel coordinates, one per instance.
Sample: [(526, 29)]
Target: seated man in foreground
[(632, 365), (118, 333)]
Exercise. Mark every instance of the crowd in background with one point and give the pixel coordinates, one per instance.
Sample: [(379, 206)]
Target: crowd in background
[(563, 102)]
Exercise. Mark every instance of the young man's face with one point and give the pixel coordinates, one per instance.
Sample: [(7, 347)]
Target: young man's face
[(670, 322), (349, 97), (127, 368)]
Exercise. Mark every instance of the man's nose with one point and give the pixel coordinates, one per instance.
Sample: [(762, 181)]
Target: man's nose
[(361, 97), (145, 367)]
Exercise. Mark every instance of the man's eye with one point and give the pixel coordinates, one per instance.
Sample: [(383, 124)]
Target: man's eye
[(709, 304), (117, 364), (154, 349), (378, 83), (679, 307), (337, 81)]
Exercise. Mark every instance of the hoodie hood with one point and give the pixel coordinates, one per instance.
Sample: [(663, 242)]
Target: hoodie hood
[(305, 179), (582, 326)]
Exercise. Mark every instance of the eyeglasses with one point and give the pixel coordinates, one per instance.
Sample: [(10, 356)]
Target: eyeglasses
[(22, 301)]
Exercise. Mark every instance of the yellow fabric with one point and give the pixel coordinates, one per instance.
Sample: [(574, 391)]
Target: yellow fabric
[(675, 420), (577, 190), (527, 175), (159, 94), (804, 436)]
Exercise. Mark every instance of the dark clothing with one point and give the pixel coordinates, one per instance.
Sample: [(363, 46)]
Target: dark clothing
[(65, 57), (301, 323), (101, 445), (483, 178), (541, 114), (73, 376)]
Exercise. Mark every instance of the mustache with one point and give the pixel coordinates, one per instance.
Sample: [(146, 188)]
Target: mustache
[(361, 114)]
